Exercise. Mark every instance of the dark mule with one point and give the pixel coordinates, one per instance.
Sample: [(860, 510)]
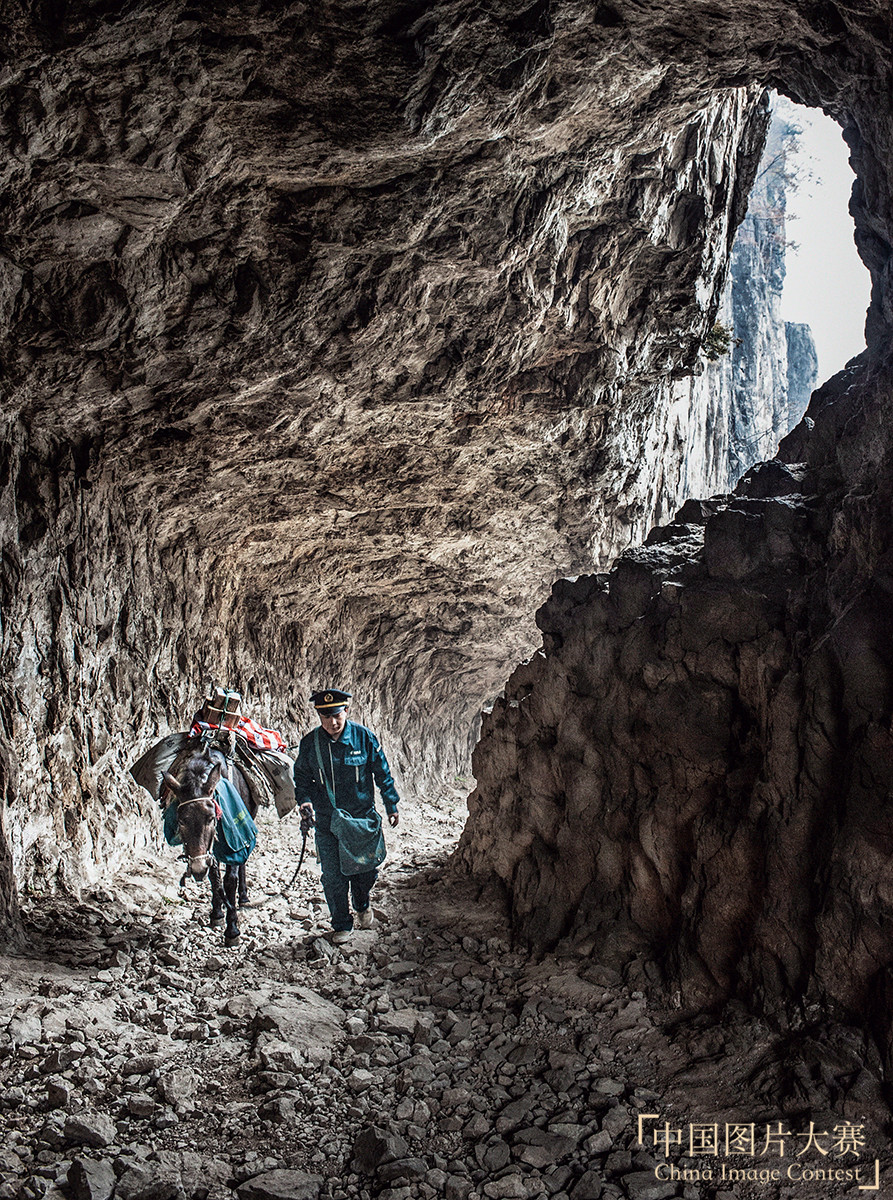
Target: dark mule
[(198, 772)]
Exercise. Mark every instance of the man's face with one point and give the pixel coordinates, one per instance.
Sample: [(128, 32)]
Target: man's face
[(333, 723)]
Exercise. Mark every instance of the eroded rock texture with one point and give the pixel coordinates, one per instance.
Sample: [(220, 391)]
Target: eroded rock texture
[(770, 369), (693, 774), (333, 336)]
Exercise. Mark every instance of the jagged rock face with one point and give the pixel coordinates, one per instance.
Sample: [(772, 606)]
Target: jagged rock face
[(755, 388), (330, 350), (692, 777), (802, 371), (335, 336), (693, 774)]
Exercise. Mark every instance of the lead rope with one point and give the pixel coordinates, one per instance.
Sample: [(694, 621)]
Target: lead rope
[(307, 824)]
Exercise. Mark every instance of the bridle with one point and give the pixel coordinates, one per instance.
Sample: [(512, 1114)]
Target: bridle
[(196, 800), (207, 858)]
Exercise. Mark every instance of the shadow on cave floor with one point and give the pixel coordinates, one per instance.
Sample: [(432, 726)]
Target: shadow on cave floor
[(133, 1042)]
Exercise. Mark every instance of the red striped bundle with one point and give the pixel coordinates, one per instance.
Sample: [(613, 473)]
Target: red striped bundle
[(254, 735)]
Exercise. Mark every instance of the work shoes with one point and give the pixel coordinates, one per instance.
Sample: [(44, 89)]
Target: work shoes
[(340, 936), (365, 919)]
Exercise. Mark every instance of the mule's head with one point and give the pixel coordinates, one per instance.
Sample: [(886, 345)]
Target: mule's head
[(196, 811)]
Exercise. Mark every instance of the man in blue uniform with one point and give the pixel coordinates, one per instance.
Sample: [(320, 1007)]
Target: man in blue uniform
[(335, 772)]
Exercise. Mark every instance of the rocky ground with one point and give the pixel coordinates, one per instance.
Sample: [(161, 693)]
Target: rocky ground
[(426, 1058)]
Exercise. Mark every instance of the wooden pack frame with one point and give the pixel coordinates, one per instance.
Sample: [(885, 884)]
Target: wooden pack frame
[(222, 708)]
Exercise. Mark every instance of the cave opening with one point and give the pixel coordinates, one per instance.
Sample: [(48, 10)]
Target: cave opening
[(822, 245), (323, 368), (781, 332)]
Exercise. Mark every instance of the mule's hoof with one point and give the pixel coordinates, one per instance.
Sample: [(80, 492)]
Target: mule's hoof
[(231, 939), (246, 903), (216, 919)]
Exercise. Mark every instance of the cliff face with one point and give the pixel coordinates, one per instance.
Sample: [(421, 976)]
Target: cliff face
[(760, 370), (332, 339), (332, 336), (691, 777), (770, 390), (803, 371)]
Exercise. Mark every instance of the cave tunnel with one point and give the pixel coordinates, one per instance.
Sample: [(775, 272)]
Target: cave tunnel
[(338, 340)]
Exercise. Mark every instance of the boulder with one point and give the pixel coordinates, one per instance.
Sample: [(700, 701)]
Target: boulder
[(90, 1129), (281, 1185), (376, 1146), (91, 1179)]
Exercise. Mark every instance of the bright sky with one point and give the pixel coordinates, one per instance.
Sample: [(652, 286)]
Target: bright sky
[(826, 285)]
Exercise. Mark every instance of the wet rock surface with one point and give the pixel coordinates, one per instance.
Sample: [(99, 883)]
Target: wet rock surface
[(142, 1061)]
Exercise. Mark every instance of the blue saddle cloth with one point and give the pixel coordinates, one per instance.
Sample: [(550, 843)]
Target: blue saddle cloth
[(236, 831)]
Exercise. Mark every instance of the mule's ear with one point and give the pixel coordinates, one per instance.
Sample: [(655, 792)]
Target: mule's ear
[(174, 784), (213, 779)]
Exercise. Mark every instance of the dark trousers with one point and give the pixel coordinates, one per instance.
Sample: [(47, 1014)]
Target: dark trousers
[(337, 885)]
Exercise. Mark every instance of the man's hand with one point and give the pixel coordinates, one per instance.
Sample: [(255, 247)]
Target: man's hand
[(307, 821), (393, 820)]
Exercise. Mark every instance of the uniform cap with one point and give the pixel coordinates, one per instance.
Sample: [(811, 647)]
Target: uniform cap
[(330, 701)]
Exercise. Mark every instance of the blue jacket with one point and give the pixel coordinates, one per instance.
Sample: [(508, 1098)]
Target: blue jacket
[(353, 764)]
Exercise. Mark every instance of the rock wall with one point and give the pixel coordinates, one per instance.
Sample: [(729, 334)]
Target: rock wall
[(333, 336), (331, 341), (691, 778), (692, 775)]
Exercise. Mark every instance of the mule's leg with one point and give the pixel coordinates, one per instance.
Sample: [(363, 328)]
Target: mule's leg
[(218, 902), (230, 885)]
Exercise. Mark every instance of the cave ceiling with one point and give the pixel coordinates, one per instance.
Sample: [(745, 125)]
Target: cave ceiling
[(333, 334)]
